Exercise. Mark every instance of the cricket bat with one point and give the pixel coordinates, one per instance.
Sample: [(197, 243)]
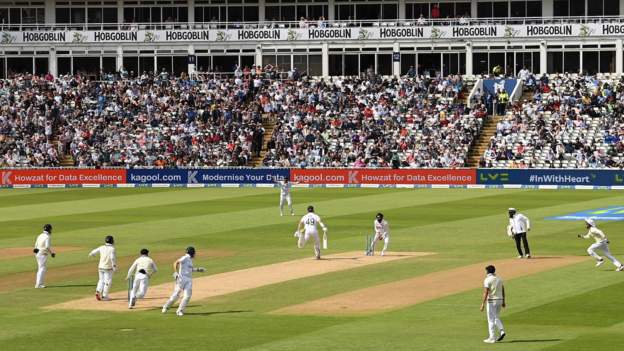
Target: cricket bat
[(324, 241)]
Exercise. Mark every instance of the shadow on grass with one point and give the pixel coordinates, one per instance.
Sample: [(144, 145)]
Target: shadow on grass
[(212, 313), (533, 340), (69, 286)]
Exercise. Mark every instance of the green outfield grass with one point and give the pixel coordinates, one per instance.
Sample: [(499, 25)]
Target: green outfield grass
[(578, 307)]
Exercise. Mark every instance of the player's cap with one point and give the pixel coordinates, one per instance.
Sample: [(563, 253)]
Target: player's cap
[(144, 252), (590, 222), (48, 228), (310, 208), (109, 239), (379, 215), (511, 209), (191, 251)]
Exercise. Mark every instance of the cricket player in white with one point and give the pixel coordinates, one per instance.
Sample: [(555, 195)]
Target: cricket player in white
[(382, 232), (601, 243), (494, 297), (183, 275), (43, 248), (285, 186), (142, 269), (106, 267), (308, 224)]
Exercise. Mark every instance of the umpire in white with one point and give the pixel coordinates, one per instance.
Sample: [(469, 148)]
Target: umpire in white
[(518, 227)]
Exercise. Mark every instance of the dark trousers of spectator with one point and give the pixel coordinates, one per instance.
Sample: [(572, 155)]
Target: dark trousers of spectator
[(525, 242), (501, 109)]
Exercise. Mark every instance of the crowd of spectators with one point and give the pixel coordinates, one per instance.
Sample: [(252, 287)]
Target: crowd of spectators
[(164, 121), (574, 121), (149, 120), (406, 122)]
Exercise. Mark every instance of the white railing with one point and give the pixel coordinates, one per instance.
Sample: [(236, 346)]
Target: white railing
[(463, 21), (477, 87), (518, 89)]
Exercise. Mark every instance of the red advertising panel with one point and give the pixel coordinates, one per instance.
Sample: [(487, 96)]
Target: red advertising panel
[(385, 176), (62, 176)]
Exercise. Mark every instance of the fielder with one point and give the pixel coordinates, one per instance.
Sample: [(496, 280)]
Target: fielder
[(285, 186), (308, 227), (183, 275), (43, 248), (382, 232), (494, 296), (601, 243), (518, 227), (142, 269), (106, 267)]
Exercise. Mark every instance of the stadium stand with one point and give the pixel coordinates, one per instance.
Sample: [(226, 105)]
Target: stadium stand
[(571, 123), (327, 83), (406, 122)]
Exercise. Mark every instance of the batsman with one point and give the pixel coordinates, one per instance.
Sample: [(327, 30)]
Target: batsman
[(382, 232)]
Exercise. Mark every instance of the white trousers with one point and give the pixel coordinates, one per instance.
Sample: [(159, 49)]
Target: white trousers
[(303, 239), (42, 268), (105, 281), (139, 286), (185, 286), (493, 313), (591, 250), (386, 240), (285, 199)]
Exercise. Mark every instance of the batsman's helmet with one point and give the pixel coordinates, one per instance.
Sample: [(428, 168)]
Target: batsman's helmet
[(48, 228), (310, 208), (191, 251), (379, 216), (109, 239), (144, 252)]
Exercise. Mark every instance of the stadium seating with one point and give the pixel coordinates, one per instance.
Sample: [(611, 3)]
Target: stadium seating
[(146, 121), (572, 123), (408, 122)]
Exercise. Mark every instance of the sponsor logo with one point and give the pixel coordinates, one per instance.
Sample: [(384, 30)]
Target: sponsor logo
[(549, 30), (47, 37), (384, 176), (342, 33), (174, 35), (273, 34), (487, 177), (613, 213), (459, 32), (6, 176), (409, 32), (115, 36), (63, 176), (610, 29)]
